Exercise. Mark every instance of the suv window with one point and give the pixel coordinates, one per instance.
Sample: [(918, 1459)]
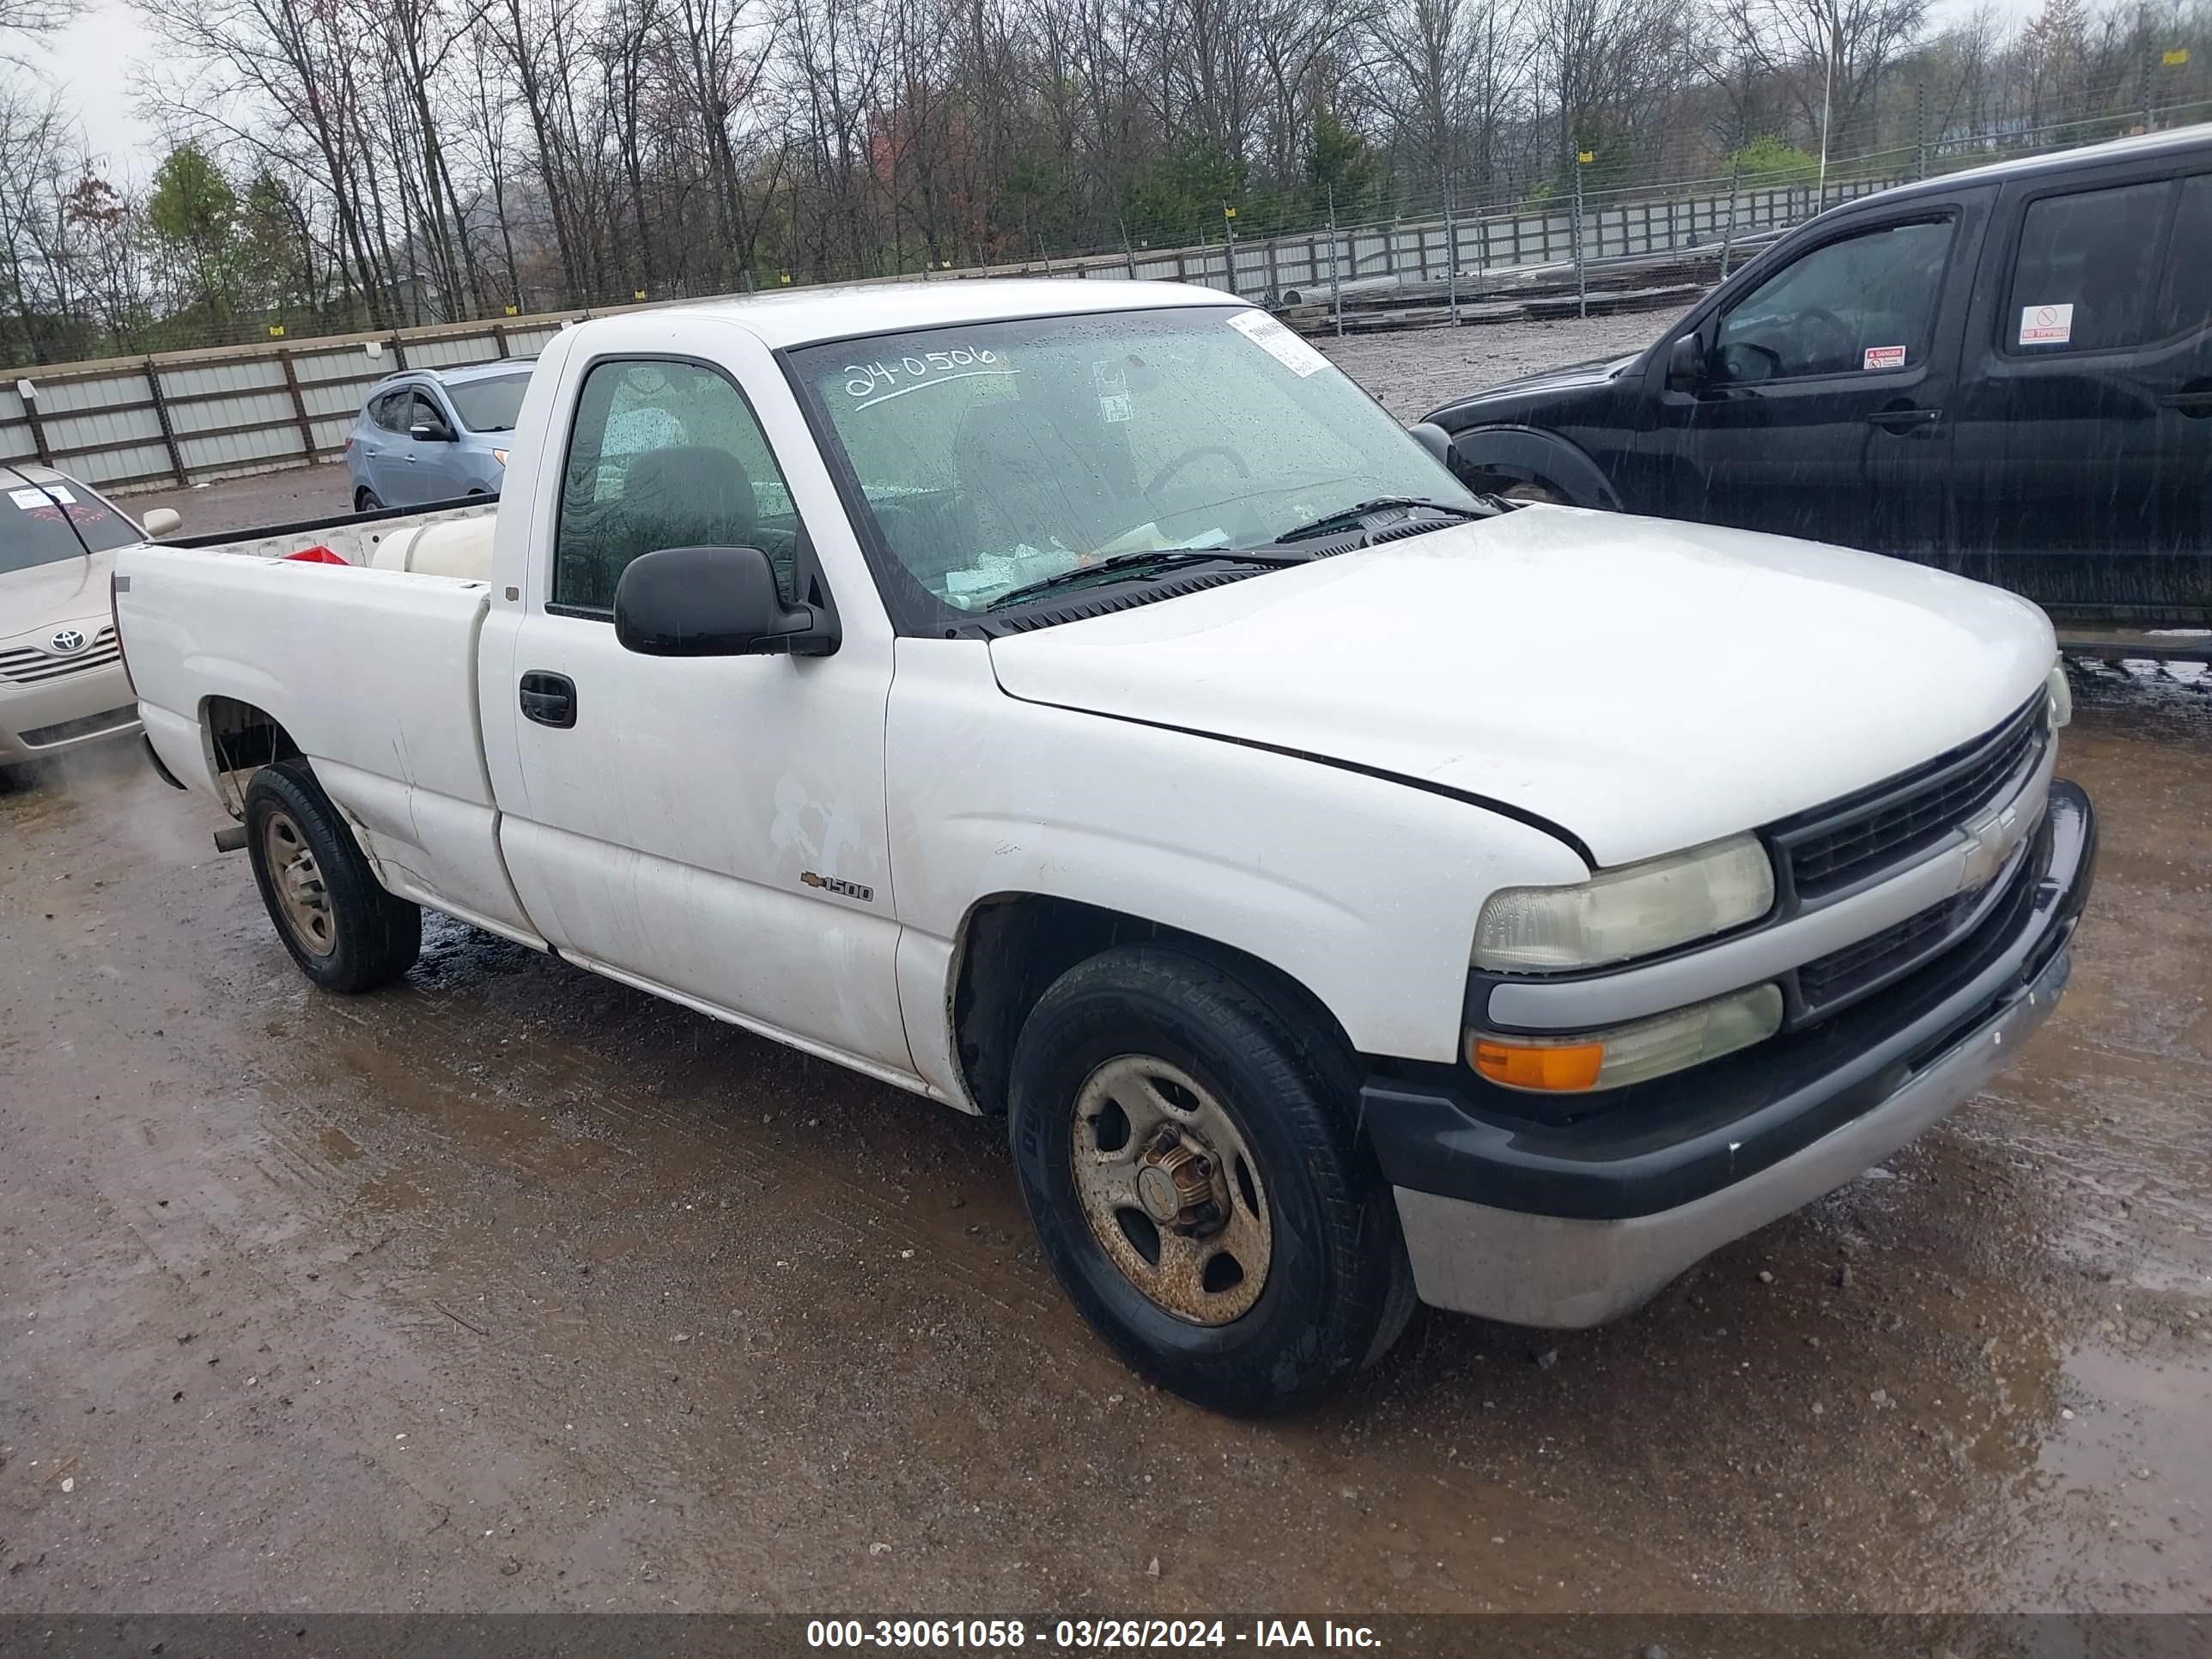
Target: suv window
[(2083, 276), (2185, 298), (1865, 303), (389, 410), (422, 410), (664, 454)]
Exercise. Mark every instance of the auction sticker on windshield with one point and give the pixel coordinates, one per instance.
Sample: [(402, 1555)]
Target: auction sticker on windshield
[(53, 495), (1278, 342)]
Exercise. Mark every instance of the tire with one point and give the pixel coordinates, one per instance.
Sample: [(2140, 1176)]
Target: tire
[(1193, 1045), (346, 933), (364, 500)]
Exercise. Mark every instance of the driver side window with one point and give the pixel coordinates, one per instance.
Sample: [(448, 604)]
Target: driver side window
[(1861, 305), (665, 454)]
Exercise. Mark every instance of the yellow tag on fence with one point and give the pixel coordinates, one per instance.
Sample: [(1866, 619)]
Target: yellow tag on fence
[(513, 311), (2176, 59), (276, 330)]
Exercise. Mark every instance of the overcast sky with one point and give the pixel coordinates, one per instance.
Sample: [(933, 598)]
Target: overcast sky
[(95, 60)]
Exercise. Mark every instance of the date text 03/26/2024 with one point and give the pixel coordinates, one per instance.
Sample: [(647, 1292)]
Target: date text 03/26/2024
[(1083, 1635)]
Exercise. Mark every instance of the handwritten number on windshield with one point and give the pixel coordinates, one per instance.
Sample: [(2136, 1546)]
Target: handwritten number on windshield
[(873, 383)]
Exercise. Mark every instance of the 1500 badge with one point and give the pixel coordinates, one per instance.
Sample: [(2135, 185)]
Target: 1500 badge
[(851, 890)]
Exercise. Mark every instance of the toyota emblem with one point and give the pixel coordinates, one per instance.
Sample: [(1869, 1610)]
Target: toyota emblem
[(67, 642)]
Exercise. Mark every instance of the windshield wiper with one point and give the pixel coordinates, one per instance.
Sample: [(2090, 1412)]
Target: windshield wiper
[(1140, 565), (1349, 517)]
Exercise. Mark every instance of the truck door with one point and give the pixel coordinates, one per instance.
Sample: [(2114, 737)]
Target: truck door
[(1822, 409), (2086, 427), (712, 828)]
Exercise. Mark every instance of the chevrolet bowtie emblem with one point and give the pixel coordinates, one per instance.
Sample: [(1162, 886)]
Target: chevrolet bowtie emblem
[(1991, 839)]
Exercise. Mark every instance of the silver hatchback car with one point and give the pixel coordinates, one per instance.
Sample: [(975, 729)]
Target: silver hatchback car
[(434, 434)]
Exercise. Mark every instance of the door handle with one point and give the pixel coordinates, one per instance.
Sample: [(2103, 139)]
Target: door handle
[(2194, 403), (548, 699), (1899, 419)]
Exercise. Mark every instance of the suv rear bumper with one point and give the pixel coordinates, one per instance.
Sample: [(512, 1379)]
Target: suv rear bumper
[(1570, 1225)]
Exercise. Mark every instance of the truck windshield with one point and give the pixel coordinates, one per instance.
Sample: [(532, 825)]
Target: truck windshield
[(489, 405), (993, 456), (32, 530)]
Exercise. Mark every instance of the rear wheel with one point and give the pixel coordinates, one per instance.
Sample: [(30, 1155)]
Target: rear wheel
[(1186, 1150), (345, 931), (364, 500)]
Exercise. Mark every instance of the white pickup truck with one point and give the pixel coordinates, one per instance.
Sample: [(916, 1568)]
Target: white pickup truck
[(1079, 702)]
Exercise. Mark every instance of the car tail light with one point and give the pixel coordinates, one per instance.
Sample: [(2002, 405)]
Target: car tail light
[(316, 555)]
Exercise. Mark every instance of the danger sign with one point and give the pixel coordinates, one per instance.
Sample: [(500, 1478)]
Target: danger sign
[(1885, 358), (2046, 324)]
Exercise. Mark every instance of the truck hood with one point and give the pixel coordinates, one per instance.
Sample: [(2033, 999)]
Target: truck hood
[(37, 601), (1645, 685)]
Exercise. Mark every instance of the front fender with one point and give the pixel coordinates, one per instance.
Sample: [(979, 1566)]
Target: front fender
[(1529, 454)]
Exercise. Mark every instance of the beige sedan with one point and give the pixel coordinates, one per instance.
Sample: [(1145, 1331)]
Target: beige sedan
[(62, 683)]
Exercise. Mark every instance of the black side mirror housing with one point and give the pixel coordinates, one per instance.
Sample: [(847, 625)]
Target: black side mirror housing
[(1432, 438), (427, 432), (1686, 363), (714, 602)]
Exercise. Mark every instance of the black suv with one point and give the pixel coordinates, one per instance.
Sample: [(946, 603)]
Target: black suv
[(2007, 372)]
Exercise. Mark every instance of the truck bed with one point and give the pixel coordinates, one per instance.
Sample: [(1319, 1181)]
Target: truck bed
[(357, 537)]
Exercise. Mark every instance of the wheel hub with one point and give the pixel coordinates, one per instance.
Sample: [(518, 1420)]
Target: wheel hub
[(1171, 1190), (298, 879), (1176, 1183)]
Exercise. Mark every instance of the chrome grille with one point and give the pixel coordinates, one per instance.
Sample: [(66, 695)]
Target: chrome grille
[(28, 665)]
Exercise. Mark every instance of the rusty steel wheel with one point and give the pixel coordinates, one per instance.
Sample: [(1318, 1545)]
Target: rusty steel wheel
[(1184, 1127), (345, 931), (297, 879), (1171, 1191)]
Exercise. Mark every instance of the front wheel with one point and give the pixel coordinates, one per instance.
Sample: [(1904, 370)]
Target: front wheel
[(1186, 1150), (346, 933)]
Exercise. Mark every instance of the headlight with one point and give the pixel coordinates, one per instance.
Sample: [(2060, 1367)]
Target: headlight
[(2062, 696), (1622, 1054), (1629, 912)]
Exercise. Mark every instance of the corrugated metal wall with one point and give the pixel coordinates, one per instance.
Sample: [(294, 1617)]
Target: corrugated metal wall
[(189, 417)]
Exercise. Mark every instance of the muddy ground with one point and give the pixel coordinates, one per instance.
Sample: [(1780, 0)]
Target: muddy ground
[(512, 1288)]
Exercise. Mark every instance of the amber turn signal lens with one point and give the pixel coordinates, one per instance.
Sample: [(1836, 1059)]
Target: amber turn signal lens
[(1573, 1066)]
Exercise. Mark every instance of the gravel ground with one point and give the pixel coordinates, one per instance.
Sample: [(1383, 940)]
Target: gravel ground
[(510, 1288)]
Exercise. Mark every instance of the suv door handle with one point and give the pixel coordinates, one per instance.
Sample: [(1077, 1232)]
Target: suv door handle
[(1898, 419), (2193, 403), (548, 699)]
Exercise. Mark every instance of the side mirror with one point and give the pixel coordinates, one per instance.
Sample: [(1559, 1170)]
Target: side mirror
[(432, 432), (714, 602), (161, 521), (1432, 438), (1686, 363)]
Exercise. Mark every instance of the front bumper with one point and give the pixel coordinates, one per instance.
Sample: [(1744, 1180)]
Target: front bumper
[(53, 718), (1573, 1224)]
